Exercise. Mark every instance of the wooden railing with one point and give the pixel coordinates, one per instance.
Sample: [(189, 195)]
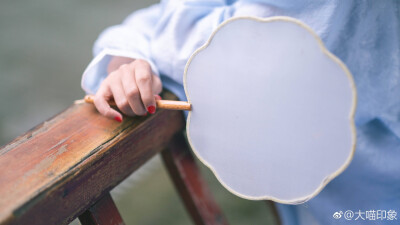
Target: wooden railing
[(65, 167)]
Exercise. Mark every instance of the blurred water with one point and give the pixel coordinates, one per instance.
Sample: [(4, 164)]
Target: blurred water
[(44, 47)]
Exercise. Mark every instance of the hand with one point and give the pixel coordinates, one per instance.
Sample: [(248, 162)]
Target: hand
[(133, 87)]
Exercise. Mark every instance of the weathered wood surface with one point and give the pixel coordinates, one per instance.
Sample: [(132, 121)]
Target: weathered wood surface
[(54, 172), (103, 212), (189, 183)]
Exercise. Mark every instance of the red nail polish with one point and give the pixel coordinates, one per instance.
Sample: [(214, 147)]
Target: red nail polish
[(151, 109), (117, 118), (158, 97)]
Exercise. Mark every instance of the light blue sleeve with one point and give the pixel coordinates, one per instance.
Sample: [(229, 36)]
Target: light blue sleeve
[(165, 35), (129, 39)]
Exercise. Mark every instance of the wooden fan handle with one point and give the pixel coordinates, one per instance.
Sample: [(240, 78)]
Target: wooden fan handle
[(162, 104)]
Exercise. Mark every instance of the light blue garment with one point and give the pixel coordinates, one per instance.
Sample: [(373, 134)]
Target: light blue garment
[(363, 34)]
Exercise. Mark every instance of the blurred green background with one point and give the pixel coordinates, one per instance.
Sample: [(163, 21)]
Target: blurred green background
[(44, 47)]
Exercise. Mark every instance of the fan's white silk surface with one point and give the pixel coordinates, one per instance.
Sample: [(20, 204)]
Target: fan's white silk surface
[(272, 109)]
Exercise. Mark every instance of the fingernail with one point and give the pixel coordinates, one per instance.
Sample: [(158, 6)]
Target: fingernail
[(118, 118), (151, 109), (158, 97)]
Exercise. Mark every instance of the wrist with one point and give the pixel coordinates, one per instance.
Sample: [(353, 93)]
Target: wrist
[(117, 61)]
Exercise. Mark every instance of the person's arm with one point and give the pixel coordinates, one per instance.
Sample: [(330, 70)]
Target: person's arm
[(163, 36), (122, 54)]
